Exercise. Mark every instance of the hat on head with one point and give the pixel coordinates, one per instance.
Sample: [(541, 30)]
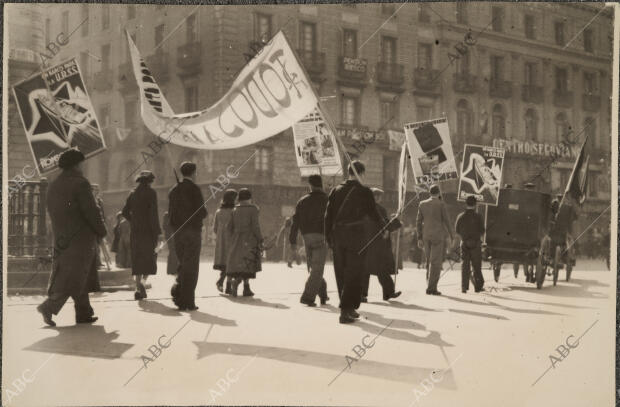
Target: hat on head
[(315, 181), (70, 158), (471, 200), (244, 194), (229, 197), (146, 176), (188, 168)]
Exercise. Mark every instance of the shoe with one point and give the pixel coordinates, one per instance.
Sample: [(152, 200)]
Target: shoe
[(228, 289), (346, 319), (308, 303), (192, 308), (354, 314), (324, 300), (220, 286), (142, 290), (87, 320), (289, 265), (47, 316), (433, 292), (464, 291), (364, 299), (393, 295), (481, 290), (247, 292), (137, 295), (234, 287)]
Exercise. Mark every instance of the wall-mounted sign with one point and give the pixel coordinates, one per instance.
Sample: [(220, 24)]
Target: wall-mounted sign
[(354, 64), (530, 148), (355, 133)]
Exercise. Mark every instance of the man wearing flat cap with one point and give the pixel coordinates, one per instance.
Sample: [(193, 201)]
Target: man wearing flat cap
[(141, 212), (76, 224), (186, 211)]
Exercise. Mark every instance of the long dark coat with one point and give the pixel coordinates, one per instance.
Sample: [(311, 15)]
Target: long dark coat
[(141, 212), (76, 223), (223, 237), (244, 257), (379, 254)]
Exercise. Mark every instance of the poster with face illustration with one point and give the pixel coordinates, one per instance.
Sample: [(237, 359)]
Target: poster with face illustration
[(481, 173)]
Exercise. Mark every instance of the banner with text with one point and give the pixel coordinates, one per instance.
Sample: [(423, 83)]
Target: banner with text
[(270, 94), (315, 146), (481, 173), (430, 150), (57, 115)]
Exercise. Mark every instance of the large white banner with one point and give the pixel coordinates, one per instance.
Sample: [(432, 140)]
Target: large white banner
[(431, 152), (270, 94), (315, 146)]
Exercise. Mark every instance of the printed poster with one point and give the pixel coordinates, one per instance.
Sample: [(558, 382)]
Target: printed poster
[(430, 148), (481, 173), (315, 146), (57, 114)]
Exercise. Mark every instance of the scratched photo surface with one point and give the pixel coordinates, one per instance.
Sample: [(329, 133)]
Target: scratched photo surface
[(130, 279)]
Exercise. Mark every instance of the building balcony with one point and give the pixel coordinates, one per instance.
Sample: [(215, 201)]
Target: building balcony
[(390, 74), (102, 80), (425, 79), (532, 94), (352, 69), (126, 78), (591, 103), (188, 58), (500, 89), (158, 65), (464, 83), (562, 98), (313, 61)]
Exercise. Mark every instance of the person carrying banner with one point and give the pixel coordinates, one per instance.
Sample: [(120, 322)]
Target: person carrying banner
[(223, 238), (76, 224), (470, 227), (187, 211), (432, 224), (379, 256), (141, 212), (308, 219), (350, 210)]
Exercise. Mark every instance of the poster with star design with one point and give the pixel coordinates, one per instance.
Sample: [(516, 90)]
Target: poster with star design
[(57, 115), (481, 173)]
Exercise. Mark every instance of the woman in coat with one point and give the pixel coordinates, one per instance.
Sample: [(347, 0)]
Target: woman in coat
[(121, 243), (141, 212), (223, 238), (244, 257), (173, 262)]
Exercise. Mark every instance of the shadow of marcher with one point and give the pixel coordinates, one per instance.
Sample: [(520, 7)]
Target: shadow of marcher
[(479, 314), (205, 318), (575, 288), (155, 307), (82, 340), (394, 323), (503, 307), (257, 302), (433, 338), (398, 304)]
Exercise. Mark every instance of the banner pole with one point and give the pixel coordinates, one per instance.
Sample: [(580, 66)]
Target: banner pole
[(486, 214)]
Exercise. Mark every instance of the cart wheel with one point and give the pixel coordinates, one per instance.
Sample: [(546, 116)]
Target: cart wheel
[(516, 269), (496, 269), (569, 269), (540, 271), (557, 260)]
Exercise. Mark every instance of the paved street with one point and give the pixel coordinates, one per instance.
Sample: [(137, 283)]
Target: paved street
[(487, 349)]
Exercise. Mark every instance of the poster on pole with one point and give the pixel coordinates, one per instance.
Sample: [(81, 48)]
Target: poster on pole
[(315, 146), (57, 115), (430, 149), (481, 173)]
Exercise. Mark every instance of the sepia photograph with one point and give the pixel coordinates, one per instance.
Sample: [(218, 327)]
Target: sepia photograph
[(320, 204)]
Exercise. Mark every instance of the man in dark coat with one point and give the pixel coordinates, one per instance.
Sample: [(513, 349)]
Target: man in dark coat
[(350, 210), (77, 224), (141, 212), (470, 227), (379, 256), (187, 211), (308, 219)]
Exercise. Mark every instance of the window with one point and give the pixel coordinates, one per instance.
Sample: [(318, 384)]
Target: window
[(588, 40), (497, 14), (130, 113), (559, 32), (85, 20), (65, 22), (105, 57), (388, 9), (84, 64), (389, 113), (528, 23), (561, 79), (191, 98), (424, 112), (349, 44), (105, 17), (499, 122), (350, 111), (463, 119), (530, 74), (388, 50), (159, 34), (191, 29), (588, 83), (131, 12), (262, 160), (589, 125), (423, 14), (497, 68), (531, 125), (425, 56), (561, 127), (462, 64), (262, 27), (461, 12), (307, 37)]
